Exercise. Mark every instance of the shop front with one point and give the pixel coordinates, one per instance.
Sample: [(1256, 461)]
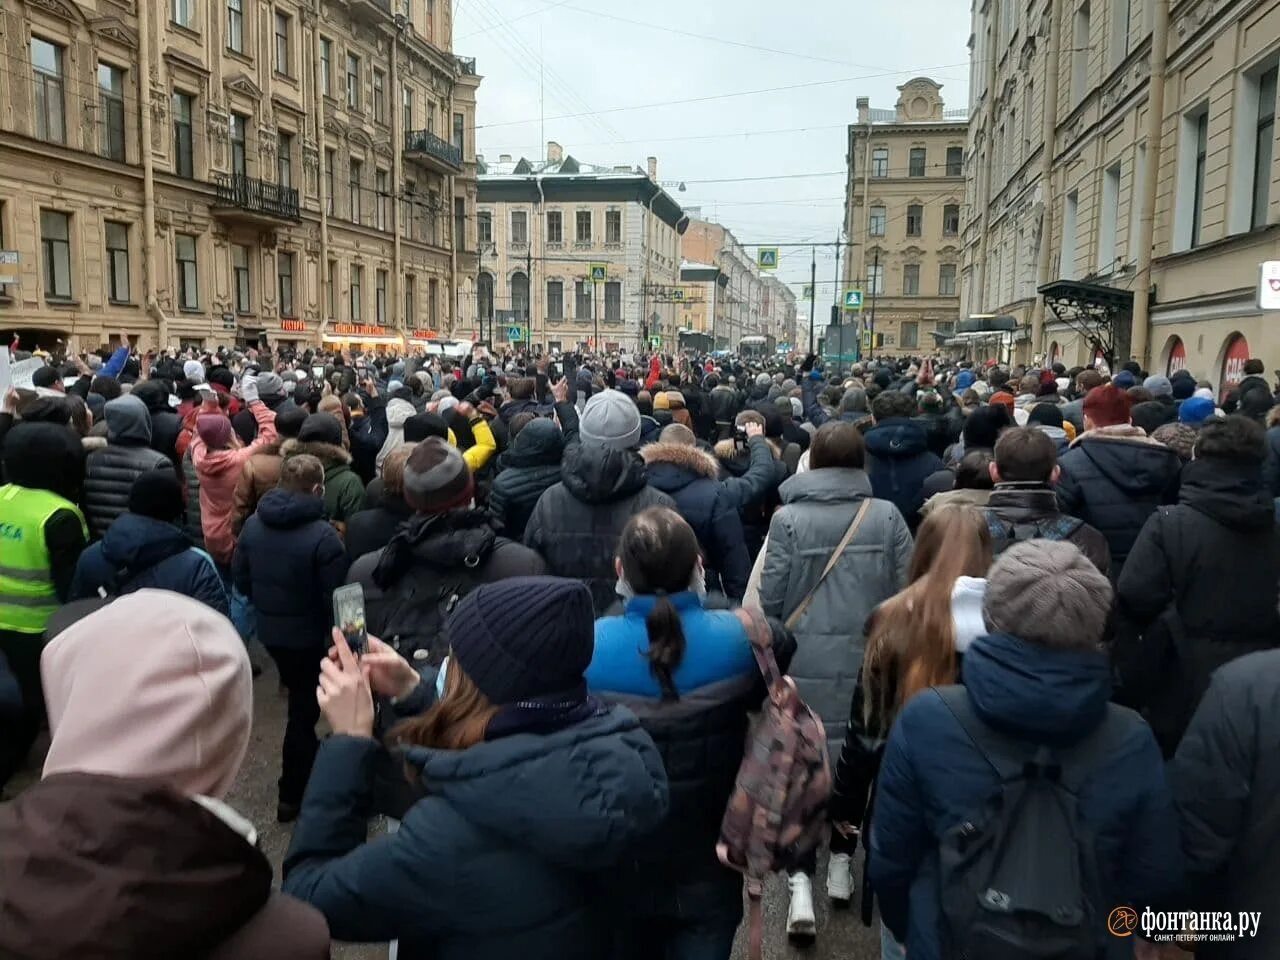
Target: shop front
[(1235, 354), (362, 337), (1174, 356)]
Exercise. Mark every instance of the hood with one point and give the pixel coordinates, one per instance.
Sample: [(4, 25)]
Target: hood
[(513, 407), (135, 543), (539, 444), (673, 466), (1231, 493), (596, 474), (578, 797), (329, 455), (897, 438), (1134, 463), (398, 411), (1024, 502), (44, 456), (154, 395), (1026, 690), (826, 485), (119, 869), (444, 541), (284, 510), (128, 421)]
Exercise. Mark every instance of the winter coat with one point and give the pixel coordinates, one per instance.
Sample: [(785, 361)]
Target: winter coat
[(933, 778), (692, 479), (1201, 589), (973, 498), (898, 463), (258, 476), (724, 403), (288, 563), (192, 525), (1034, 508), (165, 422), (699, 407), (818, 508), (529, 468), (372, 528), (119, 869), (1252, 398), (10, 693), (139, 553), (219, 471), (754, 476), (505, 856), (1271, 469), (109, 473), (343, 491), (576, 524), (1113, 479), (1226, 785)]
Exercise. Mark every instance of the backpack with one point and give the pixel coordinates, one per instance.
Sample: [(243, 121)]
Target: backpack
[(1020, 878), (1005, 534), (776, 815), (417, 609)]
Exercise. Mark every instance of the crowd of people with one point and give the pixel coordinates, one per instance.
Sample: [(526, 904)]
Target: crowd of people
[(1000, 589)]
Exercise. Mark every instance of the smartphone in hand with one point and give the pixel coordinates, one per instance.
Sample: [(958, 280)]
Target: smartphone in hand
[(348, 616)]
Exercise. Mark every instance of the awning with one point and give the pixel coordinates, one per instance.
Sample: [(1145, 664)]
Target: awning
[(336, 338), (1102, 315)]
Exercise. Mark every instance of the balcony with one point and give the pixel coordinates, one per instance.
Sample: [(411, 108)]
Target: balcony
[(370, 11), (250, 200), (426, 148), (466, 66)]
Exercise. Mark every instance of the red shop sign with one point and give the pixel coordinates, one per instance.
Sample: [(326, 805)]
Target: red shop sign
[(294, 326), (1178, 357), (1233, 362)]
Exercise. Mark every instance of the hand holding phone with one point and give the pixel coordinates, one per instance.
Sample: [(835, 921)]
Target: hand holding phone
[(348, 617)]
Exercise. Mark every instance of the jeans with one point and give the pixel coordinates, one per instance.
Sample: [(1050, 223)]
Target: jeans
[(890, 949), (299, 672), (22, 650), (690, 920)]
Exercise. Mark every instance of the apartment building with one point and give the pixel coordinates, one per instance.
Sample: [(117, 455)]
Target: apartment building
[(196, 172), (747, 308), (1123, 179), (574, 255), (902, 217)]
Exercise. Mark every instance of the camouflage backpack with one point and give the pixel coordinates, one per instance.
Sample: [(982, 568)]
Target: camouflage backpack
[(777, 813)]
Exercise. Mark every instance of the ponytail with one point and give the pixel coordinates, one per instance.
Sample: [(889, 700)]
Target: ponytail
[(666, 644)]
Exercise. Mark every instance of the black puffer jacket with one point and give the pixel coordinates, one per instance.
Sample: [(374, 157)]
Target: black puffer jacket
[(1200, 589), (529, 468), (576, 524), (192, 525), (373, 527), (165, 422), (754, 475), (724, 403), (111, 470)]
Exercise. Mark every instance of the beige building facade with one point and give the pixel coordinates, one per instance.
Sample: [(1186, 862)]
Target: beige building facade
[(902, 218), (1123, 159), (207, 171)]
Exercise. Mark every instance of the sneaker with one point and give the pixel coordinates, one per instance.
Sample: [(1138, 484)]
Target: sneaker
[(802, 928), (840, 879), (287, 812)]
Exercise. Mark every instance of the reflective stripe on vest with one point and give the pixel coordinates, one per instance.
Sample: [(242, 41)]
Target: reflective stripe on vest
[(27, 594)]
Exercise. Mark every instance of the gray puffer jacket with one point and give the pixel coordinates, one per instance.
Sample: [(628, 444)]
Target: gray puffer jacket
[(111, 471), (192, 525), (818, 508)]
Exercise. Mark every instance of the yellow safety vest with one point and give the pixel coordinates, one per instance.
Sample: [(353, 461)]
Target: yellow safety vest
[(27, 595)]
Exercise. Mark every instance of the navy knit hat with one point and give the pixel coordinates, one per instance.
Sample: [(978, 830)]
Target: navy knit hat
[(524, 638)]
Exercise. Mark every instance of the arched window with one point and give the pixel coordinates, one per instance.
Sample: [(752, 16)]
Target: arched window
[(520, 296)]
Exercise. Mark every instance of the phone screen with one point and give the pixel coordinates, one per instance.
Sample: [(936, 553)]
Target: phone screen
[(348, 616), (318, 372)]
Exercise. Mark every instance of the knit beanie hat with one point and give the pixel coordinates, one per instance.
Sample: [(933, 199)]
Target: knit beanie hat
[(1047, 592), (1183, 387), (661, 400), (270, 387), (1195, 411), (1107, 405), (214, 430), (1046, 414), (1124, 380), (193, 371), (321, 428), (289, 422), (982, 427), (436, 478), (156, 494), (524, 638), (964, 380), (422, 425), (1159, 386), (611, 420)]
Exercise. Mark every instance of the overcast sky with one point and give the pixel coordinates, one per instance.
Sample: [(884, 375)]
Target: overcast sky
[(830, 52)]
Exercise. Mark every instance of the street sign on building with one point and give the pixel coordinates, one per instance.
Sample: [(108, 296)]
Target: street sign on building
[(808, 291), (677, 295), (655, 342), (853, 299), (599, 272), (515, 334), (8, 260), (1269, 286), (767, 258)]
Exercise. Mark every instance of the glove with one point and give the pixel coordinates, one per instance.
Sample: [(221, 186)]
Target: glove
[(815, 376), (249, 388)]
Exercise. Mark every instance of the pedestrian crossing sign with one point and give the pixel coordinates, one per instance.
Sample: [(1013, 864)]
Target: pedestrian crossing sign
[(767, 258), (599, 272), (853, 299), (515, 334)]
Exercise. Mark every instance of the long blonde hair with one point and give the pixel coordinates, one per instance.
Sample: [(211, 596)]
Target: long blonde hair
[(911, 645)]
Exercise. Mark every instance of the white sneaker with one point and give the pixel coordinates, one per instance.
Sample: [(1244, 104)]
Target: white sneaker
[(840, 879), (801, 924)]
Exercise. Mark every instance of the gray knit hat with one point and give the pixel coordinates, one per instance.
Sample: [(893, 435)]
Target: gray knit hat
[(1047, 592), (270, 386), (612, 420)]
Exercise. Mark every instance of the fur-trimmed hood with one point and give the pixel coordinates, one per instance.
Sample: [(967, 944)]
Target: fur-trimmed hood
[(328, 454), (729, 452), (682, 456)]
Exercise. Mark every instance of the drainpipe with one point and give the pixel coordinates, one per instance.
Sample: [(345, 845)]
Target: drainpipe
[(542, 205), (1049, 135), (985, 200), (1140, 336), (397, 185), (148, 184), (326, 281), (866, 215), (644, 297)]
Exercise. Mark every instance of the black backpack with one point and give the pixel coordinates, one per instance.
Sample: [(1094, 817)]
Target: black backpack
[(417, 609), (1020, 878), (1005, 534)]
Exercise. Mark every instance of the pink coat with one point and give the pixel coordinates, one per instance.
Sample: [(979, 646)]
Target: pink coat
[(218, 471)]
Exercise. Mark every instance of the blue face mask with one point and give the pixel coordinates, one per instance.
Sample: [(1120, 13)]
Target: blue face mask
[(441, 676)]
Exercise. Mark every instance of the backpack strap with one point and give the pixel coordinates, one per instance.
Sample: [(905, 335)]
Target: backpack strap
[(1081, 760), (1005, 755), (849, 534), (761, 636)]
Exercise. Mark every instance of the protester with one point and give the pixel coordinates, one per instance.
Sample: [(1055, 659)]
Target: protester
[(755, 469), (110, 472), (165, 422), (899, 460), (529, 468), (261, 472), (321, 437), (972, 485), (373, 527)]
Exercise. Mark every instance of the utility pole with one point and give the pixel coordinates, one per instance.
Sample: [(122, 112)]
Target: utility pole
[(875, 289), (595, 316), (528, 305), (813, 292)]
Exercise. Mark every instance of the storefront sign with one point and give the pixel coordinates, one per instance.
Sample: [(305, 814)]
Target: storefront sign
[(1233, 362), (293, 326), (424, 335), (1269, 286), (1177, 357), (357, 330)]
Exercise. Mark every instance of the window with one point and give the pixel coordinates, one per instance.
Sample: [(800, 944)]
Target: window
[(433, 302), (55, 248), (1189, 206), (1136, 195), (408, 209), (117, 262), (111, 103), (379, 96), (235, 25), (613, 301), (916, 164), (330, 157), (519, 227), (406, 109), (183, 13), (951, 220), (240, 276), (184, 246), (584, 226), (555, 226), (238, 156), (331, 294), (946, 326), (520, 296), (282, 44), (1080, 54), (1070, 220), (1108, 218), (915, 220), (382, 186), (875, 279), (955, 161), (947, 280), (284, 270), (380, 298), (460, 223), (357, 280), (354, 179), (183, 148), (880, 162), (353, 82), (46, 64), (459, 127), (911, 280), (484, 296), (910, 334), (555, 299), (1264, 144), (582, 300), (613, 226), (284, 159), (1118, 47), (326, 66), (484, 226), (410, 316), (876, 222)]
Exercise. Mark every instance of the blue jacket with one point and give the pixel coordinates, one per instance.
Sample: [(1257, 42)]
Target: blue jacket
[(898, 463), (933, 778), (503, 858), (138, 553)]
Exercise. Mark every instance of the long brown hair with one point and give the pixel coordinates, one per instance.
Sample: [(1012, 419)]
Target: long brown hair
[(911, 645), (457, 721)]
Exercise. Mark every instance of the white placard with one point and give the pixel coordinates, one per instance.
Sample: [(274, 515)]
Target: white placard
[(1269, 286)]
